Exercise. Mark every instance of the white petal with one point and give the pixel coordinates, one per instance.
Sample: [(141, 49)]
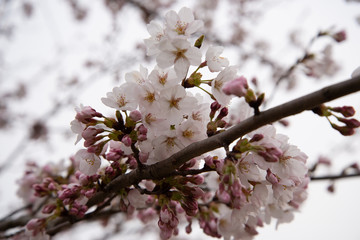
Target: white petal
[(356, 72), (165, 59), (181, 67), (186, 15)]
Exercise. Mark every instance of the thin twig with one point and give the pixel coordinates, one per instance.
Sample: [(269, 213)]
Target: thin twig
[(334, 177)]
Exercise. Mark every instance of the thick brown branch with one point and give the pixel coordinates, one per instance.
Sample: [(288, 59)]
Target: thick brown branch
[(166, 167)]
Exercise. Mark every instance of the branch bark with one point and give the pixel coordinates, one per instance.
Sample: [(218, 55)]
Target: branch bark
[(166, 167)]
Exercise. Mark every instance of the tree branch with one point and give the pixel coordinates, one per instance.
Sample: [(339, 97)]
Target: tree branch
[(335, 177), (166, 167)]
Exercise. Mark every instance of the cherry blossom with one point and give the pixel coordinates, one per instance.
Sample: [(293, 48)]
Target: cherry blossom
[(89, 162), (121, 98), (174, 103), (228, 74), (182, 23), (161, 78), (214, 62), (180, 53), (157, 33)]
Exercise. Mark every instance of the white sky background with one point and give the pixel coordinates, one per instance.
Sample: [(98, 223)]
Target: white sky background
[(52, 36)]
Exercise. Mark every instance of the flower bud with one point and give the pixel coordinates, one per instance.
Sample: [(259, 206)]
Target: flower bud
[(223, 113), (346, 111), (351, 123), (271, 178), (345, 130), (126, 140), (135, 115), (339, 36), (237, 87)]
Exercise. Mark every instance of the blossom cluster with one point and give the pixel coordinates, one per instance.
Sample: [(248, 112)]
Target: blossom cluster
[(156, 114)]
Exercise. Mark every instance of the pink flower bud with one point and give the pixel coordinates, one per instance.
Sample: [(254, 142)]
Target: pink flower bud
[(346, 111), (35, 224), (351, 123), (224, 197), (143, 157), (345, 130), (165, 215), (324, 160), (236, 87), (223, 113), (126, 140), (271, 154), (85, 114), (135, 115), (271, 178), (215, 106), (339, 36), (48, 208), (90, 133), (256, 138)]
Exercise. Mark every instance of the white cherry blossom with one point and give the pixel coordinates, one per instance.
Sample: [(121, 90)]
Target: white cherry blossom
[(121, 98), (182, 23), (77, 127), (190, 131), (89, 162), (175, 103), (161, 78), (138, 77), (157, 34), (228, 74), (214, 62), (180, 53), (166, 145)]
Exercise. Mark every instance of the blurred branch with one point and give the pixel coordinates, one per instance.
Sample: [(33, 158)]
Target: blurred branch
[(334, 177)]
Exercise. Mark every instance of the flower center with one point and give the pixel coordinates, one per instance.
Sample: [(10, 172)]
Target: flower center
[(188, 133), (180, 53), (163, 79), (150, 97), (180, 27), (174, 103), (90, 161), (149, 118), (121, 101), (170, 141)]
